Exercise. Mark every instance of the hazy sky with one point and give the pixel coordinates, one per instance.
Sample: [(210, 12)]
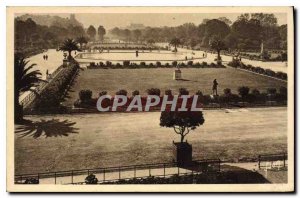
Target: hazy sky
[(154, 19)]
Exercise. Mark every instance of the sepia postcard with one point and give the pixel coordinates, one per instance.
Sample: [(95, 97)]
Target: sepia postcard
[(150, 99)]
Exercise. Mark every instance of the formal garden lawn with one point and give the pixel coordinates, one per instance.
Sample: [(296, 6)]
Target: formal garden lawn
[(112, 80), (113, 139)]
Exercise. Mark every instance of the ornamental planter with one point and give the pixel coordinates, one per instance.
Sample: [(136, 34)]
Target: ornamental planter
[(182, 153)]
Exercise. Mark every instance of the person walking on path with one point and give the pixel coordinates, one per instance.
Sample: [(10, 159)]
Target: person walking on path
[(215, 87)]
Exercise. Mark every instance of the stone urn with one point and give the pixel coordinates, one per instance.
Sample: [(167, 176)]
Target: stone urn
[(182, 153)]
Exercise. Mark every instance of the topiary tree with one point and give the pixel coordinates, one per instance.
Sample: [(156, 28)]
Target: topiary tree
[(153, 91), (85, 95), (135, 93), (199, 93), (122, 92), (168, 92), (227, 91), (181, 121), (183, 91), (102, 93), (243, 91)]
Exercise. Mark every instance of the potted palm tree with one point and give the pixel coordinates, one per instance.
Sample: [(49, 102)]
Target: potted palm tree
[(69, 45)]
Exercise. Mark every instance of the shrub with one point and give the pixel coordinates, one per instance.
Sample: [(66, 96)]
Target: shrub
[(153, 91), (91, 179), (167, 65), (108, 63), (135, 93), (284, 56), (283, 91), (122, 92), (31, 181), (126, 63), (270, 72), (281, 75), (92, 64), (183, 91), (213, 65), (158, 64), (243, 91), (85, 95), (255, 92), (204, 63), (227, 91), (271, 91), (182, 64), (151, 65), (102, 93), (234, 63), (168, 92), (199, 93), (197, 64), (118, 65), (143, 64), (190, 63)]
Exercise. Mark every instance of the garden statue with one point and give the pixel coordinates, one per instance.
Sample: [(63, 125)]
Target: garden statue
[(215, 87)]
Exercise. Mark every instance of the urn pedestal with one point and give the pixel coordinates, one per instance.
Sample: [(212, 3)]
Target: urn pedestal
[(182, 153), (177, 74), (65, 63)]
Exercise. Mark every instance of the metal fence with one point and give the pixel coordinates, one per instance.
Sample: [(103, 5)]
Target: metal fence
[(109, 174), (31, 96), (272, 160)]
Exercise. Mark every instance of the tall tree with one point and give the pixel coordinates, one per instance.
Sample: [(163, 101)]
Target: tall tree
[(91, 31), (81, 40), (126, 34), (25, 79), (175, 42), (137, 34), (265, 19), (101, 33), (218, 45)]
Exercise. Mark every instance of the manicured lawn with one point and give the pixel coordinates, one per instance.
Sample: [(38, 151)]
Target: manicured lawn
[(113, 139), (112, 80)]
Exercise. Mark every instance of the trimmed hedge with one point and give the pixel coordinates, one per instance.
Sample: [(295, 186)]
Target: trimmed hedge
[(158, 64), (259, 70)]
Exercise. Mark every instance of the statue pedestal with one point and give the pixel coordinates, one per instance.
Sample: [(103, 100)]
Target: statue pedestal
[(177, 74)]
